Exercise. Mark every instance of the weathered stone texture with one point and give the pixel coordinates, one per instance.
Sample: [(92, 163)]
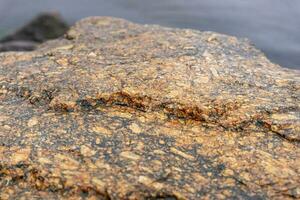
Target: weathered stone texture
[(117, 110)]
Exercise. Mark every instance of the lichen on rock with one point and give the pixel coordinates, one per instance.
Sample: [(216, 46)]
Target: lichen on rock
[(117, 110)]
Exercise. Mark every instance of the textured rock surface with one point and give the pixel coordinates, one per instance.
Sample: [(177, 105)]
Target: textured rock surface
[(118, 110)]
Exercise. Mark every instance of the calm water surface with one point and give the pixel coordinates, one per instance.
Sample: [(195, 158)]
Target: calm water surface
[(272, 25)]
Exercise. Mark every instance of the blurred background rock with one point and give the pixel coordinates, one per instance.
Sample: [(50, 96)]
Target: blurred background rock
[(272, 25), (45, 26)]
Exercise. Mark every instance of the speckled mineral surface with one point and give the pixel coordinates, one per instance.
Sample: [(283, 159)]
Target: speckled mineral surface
[(117, 110)]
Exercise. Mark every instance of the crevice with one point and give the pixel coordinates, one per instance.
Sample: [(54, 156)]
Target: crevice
[(162, 197), (268, 127), (54, 99), (41, 98), (285, 137)]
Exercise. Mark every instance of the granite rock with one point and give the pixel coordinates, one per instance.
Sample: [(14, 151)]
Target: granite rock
[(117, 110)]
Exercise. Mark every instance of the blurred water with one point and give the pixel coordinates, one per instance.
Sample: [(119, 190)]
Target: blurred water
[(272, 25)]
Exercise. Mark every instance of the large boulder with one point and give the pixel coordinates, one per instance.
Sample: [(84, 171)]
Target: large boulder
[(117, 110)]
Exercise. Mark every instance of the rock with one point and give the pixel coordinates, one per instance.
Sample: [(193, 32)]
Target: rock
[(117, 110), (45, 26), (18, 46)]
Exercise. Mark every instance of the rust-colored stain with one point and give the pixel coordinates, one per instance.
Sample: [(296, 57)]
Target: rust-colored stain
[(117, 110)]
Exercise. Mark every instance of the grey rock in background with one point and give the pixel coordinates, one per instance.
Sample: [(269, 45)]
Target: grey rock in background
[(44, 27)]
